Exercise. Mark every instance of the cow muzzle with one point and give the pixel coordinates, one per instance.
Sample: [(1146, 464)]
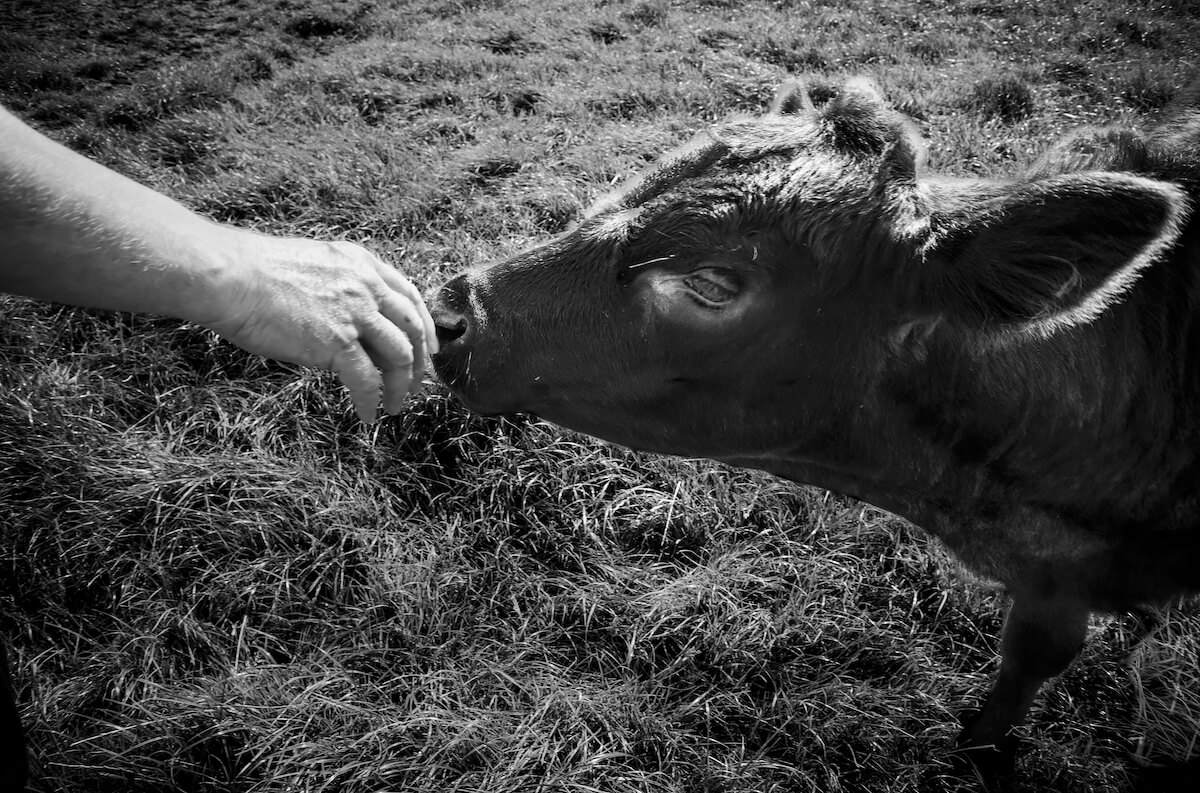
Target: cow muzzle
[(459, 362), (474, 358), (451, 310)]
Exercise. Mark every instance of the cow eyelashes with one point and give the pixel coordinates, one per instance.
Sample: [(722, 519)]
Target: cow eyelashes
[(627, 273), (650, 261)]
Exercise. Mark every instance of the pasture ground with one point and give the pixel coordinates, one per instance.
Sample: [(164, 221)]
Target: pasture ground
[(213, 578)]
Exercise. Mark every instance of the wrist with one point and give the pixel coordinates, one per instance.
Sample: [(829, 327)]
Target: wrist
[(210, 287)]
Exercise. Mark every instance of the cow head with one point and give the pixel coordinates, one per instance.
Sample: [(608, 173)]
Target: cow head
[(743, 295)]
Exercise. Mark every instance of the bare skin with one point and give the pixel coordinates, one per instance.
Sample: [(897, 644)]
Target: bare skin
[(75, 232)]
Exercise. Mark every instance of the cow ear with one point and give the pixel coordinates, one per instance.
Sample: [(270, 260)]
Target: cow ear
[(792, 99), (1048, 254)]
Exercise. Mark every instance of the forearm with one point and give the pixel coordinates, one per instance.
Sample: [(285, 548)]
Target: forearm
[(74, 232)]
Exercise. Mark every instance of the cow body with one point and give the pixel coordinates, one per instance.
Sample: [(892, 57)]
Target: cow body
[(1012, 366)]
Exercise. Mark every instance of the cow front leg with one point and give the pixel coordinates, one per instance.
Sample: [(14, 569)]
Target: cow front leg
[(1040, 639)]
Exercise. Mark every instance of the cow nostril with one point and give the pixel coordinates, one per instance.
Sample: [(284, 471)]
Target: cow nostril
[(451, 310), (450, 330)]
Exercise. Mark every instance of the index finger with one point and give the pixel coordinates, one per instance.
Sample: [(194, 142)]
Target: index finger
[(400, 283)]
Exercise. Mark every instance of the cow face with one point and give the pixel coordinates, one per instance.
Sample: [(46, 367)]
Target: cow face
[(743, 297), (660, 341), (684, 314)]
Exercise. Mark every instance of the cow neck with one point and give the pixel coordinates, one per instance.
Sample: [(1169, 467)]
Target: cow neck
[(1043, 424)]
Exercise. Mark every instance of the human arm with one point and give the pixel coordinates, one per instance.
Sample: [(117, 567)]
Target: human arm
[(75, 232)]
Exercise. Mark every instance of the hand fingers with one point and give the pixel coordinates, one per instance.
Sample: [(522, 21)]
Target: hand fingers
[(396, 384), (407, 317), (398, 358), (356, 371), (393, 344), (398, 282), (383, 358)]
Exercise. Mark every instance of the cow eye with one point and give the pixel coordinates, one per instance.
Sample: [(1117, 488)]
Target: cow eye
[(713, 285)]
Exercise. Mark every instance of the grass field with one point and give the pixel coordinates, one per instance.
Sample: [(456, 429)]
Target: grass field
[(214, 578)]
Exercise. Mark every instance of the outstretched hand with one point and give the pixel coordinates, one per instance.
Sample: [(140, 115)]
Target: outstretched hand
[(78, 233), (328, 304)]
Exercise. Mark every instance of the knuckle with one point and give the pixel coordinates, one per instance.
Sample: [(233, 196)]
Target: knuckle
[(401, 358)]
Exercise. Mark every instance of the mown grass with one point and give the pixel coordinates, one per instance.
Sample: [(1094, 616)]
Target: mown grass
[(215, 579)]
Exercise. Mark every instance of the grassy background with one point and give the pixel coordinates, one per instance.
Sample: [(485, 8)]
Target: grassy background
[(213, 578)]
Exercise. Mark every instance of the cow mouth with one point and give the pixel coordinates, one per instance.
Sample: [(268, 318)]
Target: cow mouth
[(450, 369), (455, 372)]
